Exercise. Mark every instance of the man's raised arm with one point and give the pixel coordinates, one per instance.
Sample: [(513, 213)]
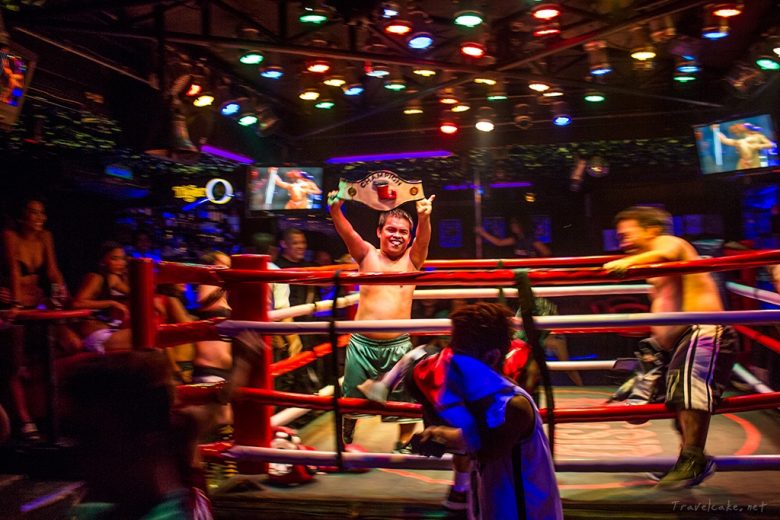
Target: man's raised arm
[(357, 247), (419, 250)]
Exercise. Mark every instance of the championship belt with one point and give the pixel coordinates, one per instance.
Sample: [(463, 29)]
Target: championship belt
[(382, 190)]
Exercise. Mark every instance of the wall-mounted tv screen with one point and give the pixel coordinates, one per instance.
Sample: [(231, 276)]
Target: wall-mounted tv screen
[(737, 145), (16, 69), (271, 188)]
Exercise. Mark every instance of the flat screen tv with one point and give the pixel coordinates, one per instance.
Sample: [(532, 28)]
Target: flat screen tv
[(745, 144), (279, 188), (16, 68)]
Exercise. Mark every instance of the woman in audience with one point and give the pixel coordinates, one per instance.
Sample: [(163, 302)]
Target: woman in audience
[(28, 273)]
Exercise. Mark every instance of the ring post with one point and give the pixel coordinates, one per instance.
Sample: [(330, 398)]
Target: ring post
[(142, 289), (249, 301)]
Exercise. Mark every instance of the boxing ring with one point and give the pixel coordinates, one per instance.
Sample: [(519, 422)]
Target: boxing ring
[(248, 287)]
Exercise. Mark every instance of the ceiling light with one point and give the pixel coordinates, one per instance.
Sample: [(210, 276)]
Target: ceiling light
[(714, 27), (485, 80), (272, 72), (395, 84), (413, 107), (313, 13), (230, 107), (561, 116), (448, 127), (683, 77), (553, 92), (472, 49), (643, 53), (204, 100), (247, 119), (497, 92), (420, 41), (447, 96), (485, 117), (550, 29), (318, 66), (546, 11), (309, 94), (352, 89), (251, 57), (324, 104), (687, 65), (538, 86), (594, 96), (334, 80), (468, 18), (390, 9), (767, 62), (521, 116), (398, 27), (727, 9), (641, 49), (424, 72), (597, 57), (377, 71), (460, 106)]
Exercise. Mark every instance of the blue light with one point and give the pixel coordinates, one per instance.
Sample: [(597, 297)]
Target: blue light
[(601, 71), (420, 41), (688, 69), (272, 74), (562, 120), (354, 90), (427, 154), (715, 34), (230, 109)]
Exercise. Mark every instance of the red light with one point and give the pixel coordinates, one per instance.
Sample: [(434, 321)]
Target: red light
[(398, 27), (194, 90), (472, 49), (448, 127), (546, 12), (727, 9)]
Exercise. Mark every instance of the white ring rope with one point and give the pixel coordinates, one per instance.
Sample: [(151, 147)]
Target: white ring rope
[(398, 461), (579, 321), (747, 377), (307, 309), (753, 292)]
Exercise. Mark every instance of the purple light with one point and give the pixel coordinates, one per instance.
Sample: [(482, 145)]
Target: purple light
[(456, 187), (226, 154), (389, 156), (516, 184)]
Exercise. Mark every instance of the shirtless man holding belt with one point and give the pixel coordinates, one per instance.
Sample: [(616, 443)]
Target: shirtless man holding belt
[(371, 354), (700, 357)]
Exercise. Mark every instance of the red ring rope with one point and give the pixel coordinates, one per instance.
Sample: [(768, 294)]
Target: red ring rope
[(505, 277), (351, 405)]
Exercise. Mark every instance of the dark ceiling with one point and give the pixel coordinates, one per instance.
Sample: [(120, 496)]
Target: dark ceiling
[(115, 49)]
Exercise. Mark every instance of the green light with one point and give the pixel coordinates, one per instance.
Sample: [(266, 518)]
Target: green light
[(594, 98), (395, 86), (684, 78), (497, 97), (251, 58), (325, 105), (767, 63), (468, 19), (313, 17), (247, 120)]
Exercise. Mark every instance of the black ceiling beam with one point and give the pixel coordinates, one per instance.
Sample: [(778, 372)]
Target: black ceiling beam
[(603, 32), (240, 43), (72, 8), (561, 46), (246, 18)]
